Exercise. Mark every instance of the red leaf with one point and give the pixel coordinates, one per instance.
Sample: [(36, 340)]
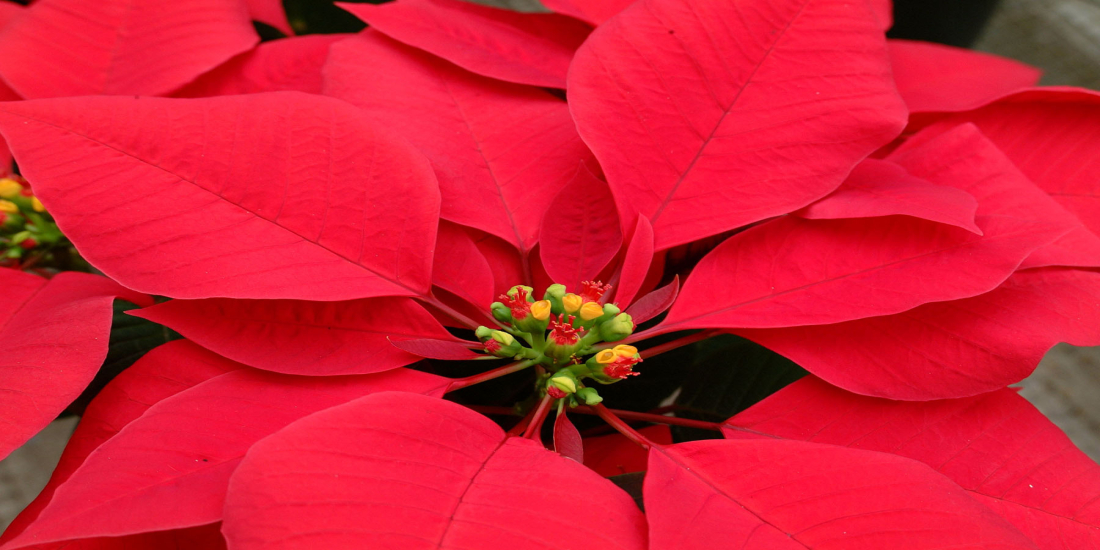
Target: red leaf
[(460, 268), (8, 12), (163, 372), (580, 233), (255, 196), (203, 537), (654, 303), (53, 334), (882, 188), (789, 494), (612, 455), (1005, 453), (505, 261), (447, 350), (270, 12), (210, 428), (934, 148), (567, 440), (288, 64), (298, 337), (884, 13), (636, 262), (419, 473), (934, 77), (591, 11), (525, 48), (508, 150), (1050, 135), (792, 272), (950, 349), (702, 130), (119, 47)]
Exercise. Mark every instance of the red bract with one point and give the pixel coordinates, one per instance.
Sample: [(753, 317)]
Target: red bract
[(53, 333), (752, 148)]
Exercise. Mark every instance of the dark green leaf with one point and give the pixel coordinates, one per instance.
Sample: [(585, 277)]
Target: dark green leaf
[(729, 375)]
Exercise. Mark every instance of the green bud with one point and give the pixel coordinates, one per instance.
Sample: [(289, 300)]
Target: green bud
[(505, 345), (617, 328), (483, 333), (501, 312), (554, 293), (564, 381), (590, 396)]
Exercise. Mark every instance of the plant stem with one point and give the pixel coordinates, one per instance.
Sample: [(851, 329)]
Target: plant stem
[(459, 383), (622, 427), (535, 426), (628, 415)]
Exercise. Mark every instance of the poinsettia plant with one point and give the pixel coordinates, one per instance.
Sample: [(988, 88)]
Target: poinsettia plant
[(412, 266)]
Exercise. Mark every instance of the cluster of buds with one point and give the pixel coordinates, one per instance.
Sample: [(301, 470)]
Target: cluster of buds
[(25, 227), (558, 332)]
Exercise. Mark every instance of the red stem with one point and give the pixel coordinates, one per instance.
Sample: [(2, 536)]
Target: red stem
[(432, 300), (459, 383), (622, 427), (535, 426), (655, 418), (677, 343)]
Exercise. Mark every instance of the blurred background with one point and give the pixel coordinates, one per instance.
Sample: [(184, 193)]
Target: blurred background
[(1062, 37)]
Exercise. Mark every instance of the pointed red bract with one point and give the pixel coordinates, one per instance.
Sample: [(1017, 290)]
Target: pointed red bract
[(882, 188), (567, 440), (163, 372), (1050, 134), (935, 77), (280, 195), (53, 338), (120, 47), (447, 350), (936, 150), (419, 473), (580, 231), (525, 48), (508, 149), (636, 263), (289, 64), (270, 12), (702, 129), (210, 427), (655, 303), (996, 446), (950, 349), (779, 495), (460, 268), (792, 272), (298, 337)]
